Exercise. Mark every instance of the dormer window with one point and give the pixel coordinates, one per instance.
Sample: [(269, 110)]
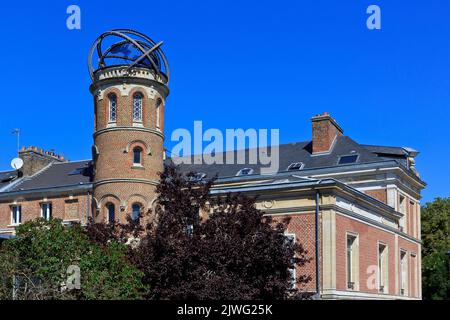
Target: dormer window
[(245, 172), (296, 166), (137, 107), (348, 159), (198, 177)]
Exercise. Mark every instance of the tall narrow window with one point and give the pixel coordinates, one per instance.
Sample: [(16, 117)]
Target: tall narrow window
[(382, 268), (412, 217), (352, 262), (402, 209), (111, 210), (16, 215), (403, 272), (46, 211), (137, 107), (290, 238), (137, 156), (136, 212), (158, 113), (112, 108)]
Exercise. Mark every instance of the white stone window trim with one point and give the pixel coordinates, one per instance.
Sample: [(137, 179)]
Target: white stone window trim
[(383, 268), (404, 274), (293, 271), (137, 109), (14, 224), (112, 101), (49, 209), (354, 260)]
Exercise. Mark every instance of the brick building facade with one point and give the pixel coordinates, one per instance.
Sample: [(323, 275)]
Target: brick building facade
[(363, 200)]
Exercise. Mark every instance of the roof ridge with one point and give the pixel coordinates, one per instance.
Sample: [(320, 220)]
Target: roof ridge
[(68, 162), (376, 145), (238, 150)]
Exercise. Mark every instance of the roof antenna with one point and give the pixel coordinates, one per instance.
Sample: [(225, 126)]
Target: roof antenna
[(17, 133)]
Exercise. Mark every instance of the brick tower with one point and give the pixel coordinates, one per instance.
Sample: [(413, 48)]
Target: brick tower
[(129, 86)]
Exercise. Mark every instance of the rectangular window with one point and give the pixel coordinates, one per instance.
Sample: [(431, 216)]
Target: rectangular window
[(46, 211), (403, 272), (352, 262), (412, 217), (348, 159), (290, 238), (16, 215), (402, 209), (137, 107), (414, 276), (382, 268)]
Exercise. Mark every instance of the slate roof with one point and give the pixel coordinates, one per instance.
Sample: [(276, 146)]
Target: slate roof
[(301, 152), (6, 177), (58, 174), (80, 172)]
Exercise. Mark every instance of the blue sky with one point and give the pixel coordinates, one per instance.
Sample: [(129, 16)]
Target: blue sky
[(242, 64)]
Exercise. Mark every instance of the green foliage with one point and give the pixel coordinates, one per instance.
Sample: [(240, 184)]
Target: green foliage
[(39, 256), (435, 249)]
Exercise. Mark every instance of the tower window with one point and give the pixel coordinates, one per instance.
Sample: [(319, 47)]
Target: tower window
[(111, 212), (112, 108), (137, 156), (158, 113), (136, 212), (137, 107), (46, 211)]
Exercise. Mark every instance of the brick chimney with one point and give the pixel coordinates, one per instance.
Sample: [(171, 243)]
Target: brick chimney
[(35, 159), (324, 132)]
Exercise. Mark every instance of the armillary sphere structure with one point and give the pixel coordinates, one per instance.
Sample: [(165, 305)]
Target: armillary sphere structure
[(129, 48)]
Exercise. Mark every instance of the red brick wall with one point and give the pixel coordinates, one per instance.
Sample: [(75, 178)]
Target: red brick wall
[(368, 253), (380, 194), (303, 226), (115, 159), (31, 209), (411, 247)]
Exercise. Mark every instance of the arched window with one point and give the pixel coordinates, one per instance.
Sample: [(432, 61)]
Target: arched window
[(137, 107), (112, 107), (111, 212), (136, 211), (158, 113), (137, 155)]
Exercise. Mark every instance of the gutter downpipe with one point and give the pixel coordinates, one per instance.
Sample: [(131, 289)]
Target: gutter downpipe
[(318, 271), (317, 236)]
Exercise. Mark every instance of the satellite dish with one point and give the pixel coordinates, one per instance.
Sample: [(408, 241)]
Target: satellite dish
[(17, 163)]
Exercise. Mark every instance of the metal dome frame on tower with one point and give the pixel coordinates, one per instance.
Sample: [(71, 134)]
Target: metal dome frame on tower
[(151, 55)]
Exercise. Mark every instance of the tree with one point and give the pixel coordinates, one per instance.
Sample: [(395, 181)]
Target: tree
[(435, 249), (236, 253), (34, 265)]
